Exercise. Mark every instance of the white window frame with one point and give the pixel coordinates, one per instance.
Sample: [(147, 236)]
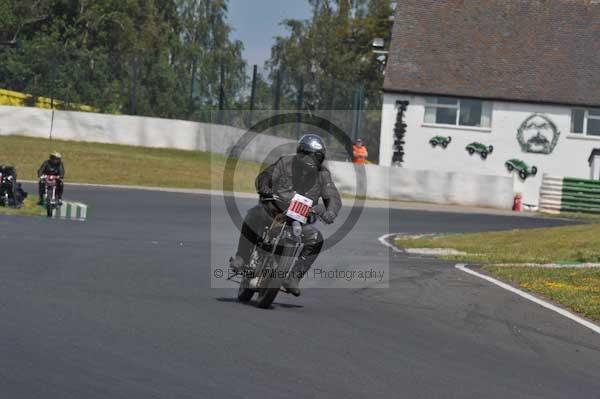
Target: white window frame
[(429, 104), (586, 116)]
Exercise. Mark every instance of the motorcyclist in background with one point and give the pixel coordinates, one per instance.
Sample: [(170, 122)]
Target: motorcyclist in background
[(8, 184), (52, 166), (304, 174)]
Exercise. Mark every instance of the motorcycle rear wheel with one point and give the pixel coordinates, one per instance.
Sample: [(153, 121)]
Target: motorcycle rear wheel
[(245, 294)]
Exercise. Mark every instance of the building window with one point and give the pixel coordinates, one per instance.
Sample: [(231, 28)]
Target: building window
[(458, 112), (585, 121)]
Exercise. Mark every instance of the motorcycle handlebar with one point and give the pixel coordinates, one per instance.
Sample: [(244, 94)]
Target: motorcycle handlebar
[(271, 197), (316, 211)]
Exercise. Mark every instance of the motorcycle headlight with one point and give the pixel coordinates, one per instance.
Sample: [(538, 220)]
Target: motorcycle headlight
[(297, 229)]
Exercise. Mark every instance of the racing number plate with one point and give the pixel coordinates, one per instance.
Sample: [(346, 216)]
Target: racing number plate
[(300, 208)]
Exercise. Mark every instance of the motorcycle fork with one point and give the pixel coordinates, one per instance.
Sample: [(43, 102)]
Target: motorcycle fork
[(298, 247), (295, 255)]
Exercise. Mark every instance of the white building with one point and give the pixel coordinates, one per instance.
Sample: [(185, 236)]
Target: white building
[(519, 76)]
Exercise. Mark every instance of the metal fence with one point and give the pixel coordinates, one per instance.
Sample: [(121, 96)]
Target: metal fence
[(154, 86)]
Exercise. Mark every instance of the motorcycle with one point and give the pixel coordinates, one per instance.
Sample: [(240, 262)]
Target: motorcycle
[(275, 255), (5, 183), (52, 202)]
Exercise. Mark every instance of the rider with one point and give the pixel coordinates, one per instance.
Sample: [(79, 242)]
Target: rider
[(304, 174), (52, 166), (10, 187)]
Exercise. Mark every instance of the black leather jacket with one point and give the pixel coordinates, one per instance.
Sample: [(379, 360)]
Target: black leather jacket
[(285, 177), (47, 168), (8, 170)]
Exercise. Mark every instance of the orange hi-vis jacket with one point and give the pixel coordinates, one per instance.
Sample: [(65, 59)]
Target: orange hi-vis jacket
[(360, 154)]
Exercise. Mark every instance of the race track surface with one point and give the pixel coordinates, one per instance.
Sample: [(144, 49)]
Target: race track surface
[(121, 307)]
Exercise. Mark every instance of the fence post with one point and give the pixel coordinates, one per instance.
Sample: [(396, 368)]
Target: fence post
[(252, 95), (133, 94), (359, 97), (331, 107), (221, 94), (193, 81), (52, 93), (277, 96), (299, 104)]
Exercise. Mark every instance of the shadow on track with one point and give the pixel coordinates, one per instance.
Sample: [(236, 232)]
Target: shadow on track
[(253, 303)]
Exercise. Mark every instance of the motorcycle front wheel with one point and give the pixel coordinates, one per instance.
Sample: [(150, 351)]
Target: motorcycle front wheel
[(245, 294), (269, 289), (49, 208), (266, 296)]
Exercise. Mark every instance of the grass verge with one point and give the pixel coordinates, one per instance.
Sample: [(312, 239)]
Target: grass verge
[(127, 165), (30, 208), (577, 289), (572, 244)]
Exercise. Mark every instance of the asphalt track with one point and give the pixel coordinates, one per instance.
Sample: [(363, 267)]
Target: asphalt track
[(121, 307)]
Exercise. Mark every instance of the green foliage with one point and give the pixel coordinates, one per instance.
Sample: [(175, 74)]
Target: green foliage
[(166, 58), (578, 289), (569, 244), (331, 57), (146, 57), (97, 163), (332, 52), (29, 208)]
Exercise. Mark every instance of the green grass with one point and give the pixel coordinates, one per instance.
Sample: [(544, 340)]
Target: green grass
[(127, 165), (577, 289), (547, 245), (30, 208)]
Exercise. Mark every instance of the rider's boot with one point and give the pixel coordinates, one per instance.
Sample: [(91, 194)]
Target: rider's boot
[(292, 283), (237, 264), (41, 190)]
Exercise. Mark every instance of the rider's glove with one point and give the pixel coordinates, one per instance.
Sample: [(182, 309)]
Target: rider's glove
[(315, 212), (319, 209), (287, 196), (328, 217)]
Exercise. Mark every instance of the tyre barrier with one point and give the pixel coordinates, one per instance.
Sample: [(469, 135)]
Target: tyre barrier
[(72, 211), (567, 194)]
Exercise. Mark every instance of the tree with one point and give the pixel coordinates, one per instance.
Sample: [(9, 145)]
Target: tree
[(330, 54), (145, 57), (17, 15), (334, 45), (208, 49)]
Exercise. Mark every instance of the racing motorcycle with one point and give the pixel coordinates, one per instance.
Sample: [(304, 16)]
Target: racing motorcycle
[(52, 202), (5, 182), (275, 255)]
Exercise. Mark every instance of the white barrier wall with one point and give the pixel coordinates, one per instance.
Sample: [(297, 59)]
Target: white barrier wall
[(425, 185), (25, 121), (138, 131), (381, 182), (569, 158)]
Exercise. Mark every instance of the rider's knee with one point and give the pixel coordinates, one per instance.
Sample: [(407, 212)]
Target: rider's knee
[(313, 237), (255, 213)]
